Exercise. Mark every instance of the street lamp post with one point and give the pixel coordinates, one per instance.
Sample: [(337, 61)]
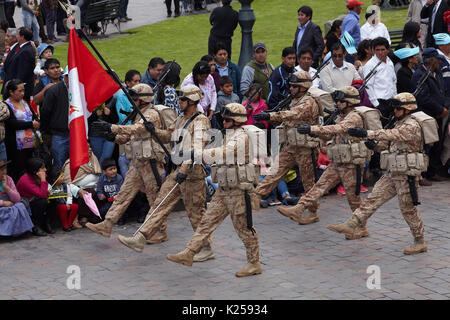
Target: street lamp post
[(246, 21)]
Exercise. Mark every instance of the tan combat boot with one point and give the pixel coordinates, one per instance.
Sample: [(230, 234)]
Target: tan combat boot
[(360, 232), (255, 199), (308, 218), (294, 213), (159, 237), (418, 246), (250, 269), (136, 243), (205, 254), (348, 227), (103, 228), (185, 257)]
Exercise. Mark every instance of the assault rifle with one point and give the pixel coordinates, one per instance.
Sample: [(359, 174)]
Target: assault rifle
[(369, 76), (323, 65)]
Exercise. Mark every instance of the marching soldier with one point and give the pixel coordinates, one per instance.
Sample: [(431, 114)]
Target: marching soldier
[(187, 181), (345, 162), (147, 161), (231, 198), (404, 162), (298, 149)]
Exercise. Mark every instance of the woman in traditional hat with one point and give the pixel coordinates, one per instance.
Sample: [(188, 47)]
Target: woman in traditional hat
[(408, 59)]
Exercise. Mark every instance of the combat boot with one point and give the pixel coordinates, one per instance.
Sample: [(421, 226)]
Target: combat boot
[(308, 218), (159, 237), (294, 213), (250, 269), (418, 246), (103, 228), (348, 227), (136, 243), (185, 257), (255, 199), (360, 232), (205, 254)]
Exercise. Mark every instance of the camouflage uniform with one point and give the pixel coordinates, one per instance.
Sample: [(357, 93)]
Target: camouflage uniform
[(303, 111)]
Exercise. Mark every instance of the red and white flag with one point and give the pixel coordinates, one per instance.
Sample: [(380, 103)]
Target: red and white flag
[(89, 87)]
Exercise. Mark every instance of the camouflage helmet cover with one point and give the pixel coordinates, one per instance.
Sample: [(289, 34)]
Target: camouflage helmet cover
[(192, 92), (408, 100), (143, 91), (236, 112), (301, 78)]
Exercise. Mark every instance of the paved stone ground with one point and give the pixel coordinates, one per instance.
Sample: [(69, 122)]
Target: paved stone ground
[(299, 262)]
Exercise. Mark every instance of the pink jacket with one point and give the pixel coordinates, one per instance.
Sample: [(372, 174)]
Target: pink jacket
[(257, 107), (13, 195), (28, 188)]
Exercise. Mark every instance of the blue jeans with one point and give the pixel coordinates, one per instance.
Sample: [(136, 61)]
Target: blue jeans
[(123, 8), (102, 148), (60, 150), (3, 151), (30, 21), (123, 165)]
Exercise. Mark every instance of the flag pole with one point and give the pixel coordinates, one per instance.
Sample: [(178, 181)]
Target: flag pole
[(117, 80)]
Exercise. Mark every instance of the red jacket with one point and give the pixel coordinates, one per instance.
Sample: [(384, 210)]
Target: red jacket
[(28, 188), (257, 107)]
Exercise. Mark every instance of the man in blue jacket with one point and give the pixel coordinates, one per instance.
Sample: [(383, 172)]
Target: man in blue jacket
[(278, 87), (154, 70), (351, 24), (225, 67)]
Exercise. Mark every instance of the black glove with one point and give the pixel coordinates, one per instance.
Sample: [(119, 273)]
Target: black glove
[(357, 132), (370, 144), (263, 116), (110, 137), (149, 126), (304, 129), (180, 177), (182, 153), (100, 126)]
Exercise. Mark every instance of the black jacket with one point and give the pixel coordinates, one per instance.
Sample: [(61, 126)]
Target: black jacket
[(223, 20), (20, 65), (404, 83), (278, 87), (312, 38), (431, 98), (55, 110), (439, 25)]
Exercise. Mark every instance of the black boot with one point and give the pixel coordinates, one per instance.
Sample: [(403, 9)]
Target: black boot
[(48, 224), (37, 231)]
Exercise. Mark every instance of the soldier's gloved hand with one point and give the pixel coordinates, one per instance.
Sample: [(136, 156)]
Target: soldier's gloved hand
[(359, 132), (100, 126), (110, 137), (180, 177), (370, 144), (149, 126), (304, 129), (263, 116)]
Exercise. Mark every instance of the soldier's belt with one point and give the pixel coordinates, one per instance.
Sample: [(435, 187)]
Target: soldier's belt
[(144, 149), (354, 153), (293, 138), (236, 176), (411, 164)]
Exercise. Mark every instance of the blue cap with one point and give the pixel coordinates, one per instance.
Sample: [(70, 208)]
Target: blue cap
[(432, 53), (41, 48), (259, 45), (441, 38), (66, 70), (404, 53), (349, 43)]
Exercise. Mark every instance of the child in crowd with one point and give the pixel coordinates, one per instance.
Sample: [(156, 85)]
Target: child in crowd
[(257, 105), (224, 97), (14, 215), (108, 185), (61, 198), (45, 51)]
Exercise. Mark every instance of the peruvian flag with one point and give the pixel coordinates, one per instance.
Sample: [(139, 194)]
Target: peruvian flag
[(89, 87)]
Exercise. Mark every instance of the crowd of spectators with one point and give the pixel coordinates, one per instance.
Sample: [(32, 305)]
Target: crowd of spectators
[(34, 112)]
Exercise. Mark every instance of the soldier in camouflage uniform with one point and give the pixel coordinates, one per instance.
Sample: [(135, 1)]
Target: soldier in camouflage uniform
[(187, 133), (344, 171), (297, 150), (404, 139), (141, 149), (228, 199)]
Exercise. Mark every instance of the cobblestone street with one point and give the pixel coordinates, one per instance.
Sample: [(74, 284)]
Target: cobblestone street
[(299, 262)]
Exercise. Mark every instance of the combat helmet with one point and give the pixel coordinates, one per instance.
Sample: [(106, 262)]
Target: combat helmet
[(300, 78), (348, 93), (190, 91), (405, 100), (143, 91), (236, 112)]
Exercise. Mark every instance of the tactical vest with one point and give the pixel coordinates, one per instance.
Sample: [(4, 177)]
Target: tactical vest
[(142, 146), (401, 159), (260, 77), (349, 151)]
